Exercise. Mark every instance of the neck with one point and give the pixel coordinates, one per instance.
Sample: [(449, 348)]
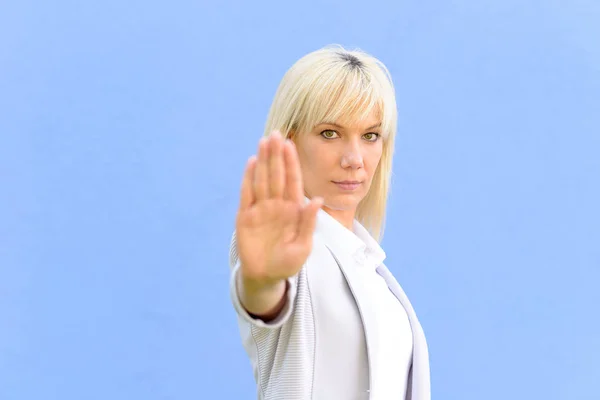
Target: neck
[(344, 217)]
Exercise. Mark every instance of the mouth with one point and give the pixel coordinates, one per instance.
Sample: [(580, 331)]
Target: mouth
[(348, 186)]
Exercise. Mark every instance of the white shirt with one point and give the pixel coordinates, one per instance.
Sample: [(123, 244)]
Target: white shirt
[(394, 334)]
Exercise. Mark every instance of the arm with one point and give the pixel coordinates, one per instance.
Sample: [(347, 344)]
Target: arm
[(261, 306), (273, 235), (263, 302)]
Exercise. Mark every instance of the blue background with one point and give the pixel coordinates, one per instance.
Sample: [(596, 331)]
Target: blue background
[(124, 130)]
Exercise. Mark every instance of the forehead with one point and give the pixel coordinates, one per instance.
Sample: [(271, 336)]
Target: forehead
[(359, 120)]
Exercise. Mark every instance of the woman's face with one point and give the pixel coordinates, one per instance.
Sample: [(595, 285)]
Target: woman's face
[(338, 161)]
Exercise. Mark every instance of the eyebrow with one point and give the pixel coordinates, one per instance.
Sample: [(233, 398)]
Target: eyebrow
[(343, 127)]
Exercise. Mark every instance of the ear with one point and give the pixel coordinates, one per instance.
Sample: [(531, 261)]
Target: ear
[(291, 135)]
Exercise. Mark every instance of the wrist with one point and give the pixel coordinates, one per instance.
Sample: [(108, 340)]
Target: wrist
[(255, 284)]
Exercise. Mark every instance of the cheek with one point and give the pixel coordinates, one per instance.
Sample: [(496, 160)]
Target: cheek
[(372, 158), (301, 150), (309, 157), (316, 157), (306, 159), (325, 156)]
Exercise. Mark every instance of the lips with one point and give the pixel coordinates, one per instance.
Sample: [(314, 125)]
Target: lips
[(348, 185)]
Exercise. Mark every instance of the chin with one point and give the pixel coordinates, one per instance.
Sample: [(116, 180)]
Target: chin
[(343, 202)]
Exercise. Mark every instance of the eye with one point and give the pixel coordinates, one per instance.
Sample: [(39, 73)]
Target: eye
[(329, 134), (371, 136)]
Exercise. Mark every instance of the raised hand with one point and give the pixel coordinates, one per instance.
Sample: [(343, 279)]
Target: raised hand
[(274, 224)]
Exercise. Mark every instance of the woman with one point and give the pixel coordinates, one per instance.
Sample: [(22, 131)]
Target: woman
[(320, 315)]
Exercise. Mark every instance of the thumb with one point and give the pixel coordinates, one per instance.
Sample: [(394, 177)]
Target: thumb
[(308, 219)]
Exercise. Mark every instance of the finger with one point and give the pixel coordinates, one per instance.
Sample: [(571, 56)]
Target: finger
[(294, 189), (247, 193), (261, 177), (276, 166), (308, 219)]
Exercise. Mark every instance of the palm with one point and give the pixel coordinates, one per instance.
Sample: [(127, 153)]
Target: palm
[(267, 243), (274, 225)]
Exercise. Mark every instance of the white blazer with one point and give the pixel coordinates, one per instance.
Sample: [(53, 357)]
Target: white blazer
[(300, 355)]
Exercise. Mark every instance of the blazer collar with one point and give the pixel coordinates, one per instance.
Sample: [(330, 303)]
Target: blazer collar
[(358, 243)]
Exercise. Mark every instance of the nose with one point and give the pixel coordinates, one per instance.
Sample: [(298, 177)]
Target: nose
[(352, 157)]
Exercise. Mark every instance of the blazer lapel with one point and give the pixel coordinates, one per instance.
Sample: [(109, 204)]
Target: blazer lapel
[(419, 380), (346, 263)]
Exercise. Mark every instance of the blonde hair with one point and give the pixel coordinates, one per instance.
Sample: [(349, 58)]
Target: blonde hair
[(333, 83)]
